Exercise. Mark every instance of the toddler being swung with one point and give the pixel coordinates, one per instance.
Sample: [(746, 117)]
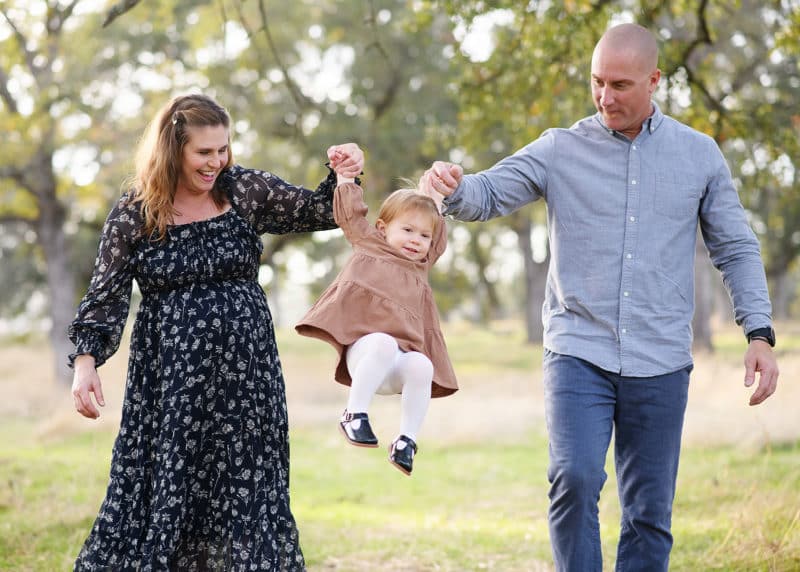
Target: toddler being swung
[(380, 315)]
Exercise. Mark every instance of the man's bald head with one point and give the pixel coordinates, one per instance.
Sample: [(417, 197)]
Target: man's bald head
[(625, 75), (632, 39)]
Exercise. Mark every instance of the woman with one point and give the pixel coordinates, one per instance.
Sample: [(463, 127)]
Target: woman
[(200, 469)]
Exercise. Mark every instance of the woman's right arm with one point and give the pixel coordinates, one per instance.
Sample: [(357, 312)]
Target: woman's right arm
[(97, 328)]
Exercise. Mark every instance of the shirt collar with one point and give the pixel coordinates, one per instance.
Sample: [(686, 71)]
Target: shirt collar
[(650, 124)]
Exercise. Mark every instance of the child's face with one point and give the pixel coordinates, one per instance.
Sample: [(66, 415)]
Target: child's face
[(410, 232)]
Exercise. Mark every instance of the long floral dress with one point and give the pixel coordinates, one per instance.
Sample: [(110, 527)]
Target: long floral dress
[(200, 470)]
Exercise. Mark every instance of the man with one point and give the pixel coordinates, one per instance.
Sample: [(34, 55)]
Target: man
[(625, 190)]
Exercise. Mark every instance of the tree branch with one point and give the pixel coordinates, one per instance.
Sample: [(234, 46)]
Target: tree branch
[(704, 38), (12, 219), (5, 95), (23, 44), (385, 101), (300, 100), (251, 35), (118, 10), (372, 21), (14, 173), (56, 17)]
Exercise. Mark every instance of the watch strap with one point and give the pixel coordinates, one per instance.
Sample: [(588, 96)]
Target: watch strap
[(765, 334)]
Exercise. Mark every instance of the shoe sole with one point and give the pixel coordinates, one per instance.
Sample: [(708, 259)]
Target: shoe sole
[(395, 465), (399, 468), (356, 443)]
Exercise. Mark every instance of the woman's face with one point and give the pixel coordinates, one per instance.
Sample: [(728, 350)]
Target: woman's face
[(205, 154)]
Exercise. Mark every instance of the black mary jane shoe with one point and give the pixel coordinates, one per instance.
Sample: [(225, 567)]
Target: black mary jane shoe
[(403, 458), (361, 436)]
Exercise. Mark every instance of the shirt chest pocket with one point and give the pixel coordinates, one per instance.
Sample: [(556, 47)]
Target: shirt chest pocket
[(677, 195)]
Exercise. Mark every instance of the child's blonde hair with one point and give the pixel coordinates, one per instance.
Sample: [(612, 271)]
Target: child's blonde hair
[(404, 200)]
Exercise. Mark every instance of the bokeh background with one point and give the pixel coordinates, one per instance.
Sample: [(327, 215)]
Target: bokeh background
[(411, 81)]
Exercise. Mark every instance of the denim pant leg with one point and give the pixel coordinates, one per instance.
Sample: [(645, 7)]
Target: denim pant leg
[(579, 409), (647, 442)]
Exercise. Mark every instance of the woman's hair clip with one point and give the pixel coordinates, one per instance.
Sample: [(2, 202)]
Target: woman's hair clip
[(175, 118)]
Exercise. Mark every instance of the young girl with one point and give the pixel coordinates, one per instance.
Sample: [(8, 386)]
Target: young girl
[(380, 315)]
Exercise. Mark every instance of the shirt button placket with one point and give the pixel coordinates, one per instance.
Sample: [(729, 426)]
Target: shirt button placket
[(628, 248)]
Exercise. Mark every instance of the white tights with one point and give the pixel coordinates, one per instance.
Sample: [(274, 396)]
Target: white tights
[(377, 365)]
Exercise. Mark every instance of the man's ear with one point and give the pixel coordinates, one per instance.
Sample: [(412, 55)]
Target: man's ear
[(655, 77)]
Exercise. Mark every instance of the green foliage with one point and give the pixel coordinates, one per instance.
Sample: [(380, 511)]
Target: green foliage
[(396, 77), (730, 69)]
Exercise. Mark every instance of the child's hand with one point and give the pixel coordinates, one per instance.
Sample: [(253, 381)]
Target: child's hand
[(445, 177), (347, 160), (425, 187)]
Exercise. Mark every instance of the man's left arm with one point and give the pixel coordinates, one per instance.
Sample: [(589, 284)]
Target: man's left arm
[(736, 253)]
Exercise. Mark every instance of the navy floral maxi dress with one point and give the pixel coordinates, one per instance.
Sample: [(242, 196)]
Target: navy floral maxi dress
[(200, 469)]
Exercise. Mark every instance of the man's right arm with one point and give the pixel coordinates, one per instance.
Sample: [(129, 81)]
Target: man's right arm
[(498, 191)]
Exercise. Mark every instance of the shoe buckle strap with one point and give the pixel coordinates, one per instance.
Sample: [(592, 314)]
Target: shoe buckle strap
[(347, 416)]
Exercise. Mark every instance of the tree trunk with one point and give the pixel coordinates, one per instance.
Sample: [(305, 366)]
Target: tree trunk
[(535, 278), (489, 301), (783, 288), (703, 299), (60, 275)]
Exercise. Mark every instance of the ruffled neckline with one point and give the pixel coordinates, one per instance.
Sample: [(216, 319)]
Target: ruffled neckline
[(201, 221)]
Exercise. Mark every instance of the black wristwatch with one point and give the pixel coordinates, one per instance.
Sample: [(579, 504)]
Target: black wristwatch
[(766, 334)]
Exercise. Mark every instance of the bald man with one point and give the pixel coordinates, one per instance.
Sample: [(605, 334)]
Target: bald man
[(625, 190)]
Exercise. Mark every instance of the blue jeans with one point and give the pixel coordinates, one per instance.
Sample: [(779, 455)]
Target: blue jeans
[(582, 405)]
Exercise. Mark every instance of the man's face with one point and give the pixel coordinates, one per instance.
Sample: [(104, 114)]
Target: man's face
[(622, 86)]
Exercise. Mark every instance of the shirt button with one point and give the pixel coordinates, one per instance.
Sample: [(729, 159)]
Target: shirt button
[(633, 219), (633, 147), (633, 182), (624, 331), (625, 294), (628, 255)]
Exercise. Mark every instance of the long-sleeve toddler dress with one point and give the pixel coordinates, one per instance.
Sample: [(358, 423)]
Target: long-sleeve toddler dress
[(380, 290)]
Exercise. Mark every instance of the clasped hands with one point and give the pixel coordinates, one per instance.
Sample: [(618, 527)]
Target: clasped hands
[(347, 161)]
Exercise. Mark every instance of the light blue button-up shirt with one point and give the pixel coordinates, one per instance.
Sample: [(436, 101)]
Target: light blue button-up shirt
[(622, 222)]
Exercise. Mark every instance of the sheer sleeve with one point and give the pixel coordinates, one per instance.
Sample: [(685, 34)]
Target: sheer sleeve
[(350, 211), (271, 205), (100, 320)]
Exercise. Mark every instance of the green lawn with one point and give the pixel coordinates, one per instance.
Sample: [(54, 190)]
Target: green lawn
[(467, 507), (471, 505)]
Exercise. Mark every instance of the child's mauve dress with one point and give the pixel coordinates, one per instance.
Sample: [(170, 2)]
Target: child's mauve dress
[(380, 290)]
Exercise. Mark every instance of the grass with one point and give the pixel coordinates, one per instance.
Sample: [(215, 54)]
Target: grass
[(473, 504), (468, 506)]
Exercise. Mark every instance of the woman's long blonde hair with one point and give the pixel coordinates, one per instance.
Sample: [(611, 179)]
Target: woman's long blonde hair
[(159, 157)]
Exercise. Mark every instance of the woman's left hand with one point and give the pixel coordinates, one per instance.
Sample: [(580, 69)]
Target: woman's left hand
[(346, 159)]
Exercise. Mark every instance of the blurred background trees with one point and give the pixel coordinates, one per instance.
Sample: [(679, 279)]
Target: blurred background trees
[(410, 81)]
